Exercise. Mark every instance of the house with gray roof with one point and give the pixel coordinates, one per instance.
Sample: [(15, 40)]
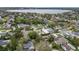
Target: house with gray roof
[(28, 46), (4, 42)]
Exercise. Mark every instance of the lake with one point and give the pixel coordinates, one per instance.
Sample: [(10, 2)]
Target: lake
[(49, 11)]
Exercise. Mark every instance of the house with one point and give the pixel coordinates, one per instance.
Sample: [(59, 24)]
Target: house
[(40, 17), (7, 26), (0, 18), (45, 32), (30, 17), (77, 23), (75, 34), (25, 33), (72, 46), (3, 33), (11, 19), (64, 43), (45, 20), (50, 30), (11, 16), (4, 42), (54, 35), (28, 46), (22, 25), (57, 18), (60, 40), (66, 47), (67, 33)]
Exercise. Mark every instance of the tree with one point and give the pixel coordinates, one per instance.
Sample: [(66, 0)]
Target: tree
[(13, 43), (75, 42), (56, 46), (32, 35), (18, 33), (2, 48), (38, 38), (19, 46), (51, 24), (50, 39), (21, 20)]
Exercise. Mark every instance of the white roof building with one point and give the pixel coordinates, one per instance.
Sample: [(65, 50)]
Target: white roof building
[(47, 31)]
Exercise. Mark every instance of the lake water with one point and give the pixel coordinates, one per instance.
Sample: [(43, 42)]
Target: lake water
[(50, 11)]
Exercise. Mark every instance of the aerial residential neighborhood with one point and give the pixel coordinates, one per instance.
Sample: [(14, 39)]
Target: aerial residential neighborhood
[(37, 31)]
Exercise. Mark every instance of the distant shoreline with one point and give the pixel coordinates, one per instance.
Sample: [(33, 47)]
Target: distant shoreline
[(61, 8)]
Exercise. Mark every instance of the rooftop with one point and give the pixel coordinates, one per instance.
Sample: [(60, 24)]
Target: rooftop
[(4, 42)]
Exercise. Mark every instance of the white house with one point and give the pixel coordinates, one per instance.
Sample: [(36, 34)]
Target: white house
[(45, 32)]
